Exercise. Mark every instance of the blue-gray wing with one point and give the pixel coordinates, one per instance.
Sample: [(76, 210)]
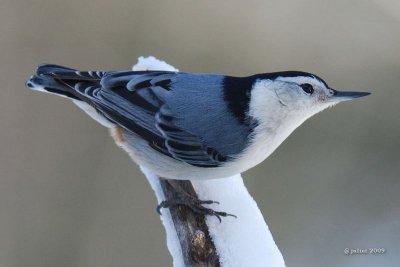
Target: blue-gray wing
[(141, 103)]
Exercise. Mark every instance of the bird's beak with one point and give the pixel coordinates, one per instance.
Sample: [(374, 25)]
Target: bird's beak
[(347, 95)]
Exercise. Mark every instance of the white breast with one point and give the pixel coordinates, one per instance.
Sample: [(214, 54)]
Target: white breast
[(275, 124)]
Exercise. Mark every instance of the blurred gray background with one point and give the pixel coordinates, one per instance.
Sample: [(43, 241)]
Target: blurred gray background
[(70, 197)]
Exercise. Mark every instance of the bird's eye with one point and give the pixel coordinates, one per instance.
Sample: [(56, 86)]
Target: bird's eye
[(307, 88)]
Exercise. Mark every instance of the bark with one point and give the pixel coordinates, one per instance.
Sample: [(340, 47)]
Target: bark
[(197, 246)]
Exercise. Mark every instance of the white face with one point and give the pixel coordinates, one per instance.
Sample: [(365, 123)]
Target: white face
[(293, 99), (303, 94), (299, 96)]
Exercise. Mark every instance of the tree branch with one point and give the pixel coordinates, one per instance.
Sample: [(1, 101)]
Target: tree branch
[(198, 250)]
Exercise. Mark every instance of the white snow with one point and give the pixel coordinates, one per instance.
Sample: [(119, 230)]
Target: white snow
[(152, 63), (245, 241), (172, 238)]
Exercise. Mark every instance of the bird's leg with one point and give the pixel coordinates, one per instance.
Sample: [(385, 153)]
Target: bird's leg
[(184, 195)]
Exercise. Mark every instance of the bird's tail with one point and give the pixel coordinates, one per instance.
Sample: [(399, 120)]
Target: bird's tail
[(63, 81)]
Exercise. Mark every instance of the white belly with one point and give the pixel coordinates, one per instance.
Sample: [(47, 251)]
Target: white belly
[(166, 167)]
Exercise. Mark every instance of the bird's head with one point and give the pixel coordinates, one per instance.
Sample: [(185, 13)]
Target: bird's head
[(294, 96)]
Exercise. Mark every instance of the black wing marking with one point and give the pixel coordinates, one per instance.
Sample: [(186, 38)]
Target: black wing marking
[(136, 101), (185, 146)]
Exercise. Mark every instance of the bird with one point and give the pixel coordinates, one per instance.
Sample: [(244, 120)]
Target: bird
[(185, 126)]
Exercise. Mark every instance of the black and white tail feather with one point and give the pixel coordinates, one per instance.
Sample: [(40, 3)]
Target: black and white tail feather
[(69, 83), (63, 81)]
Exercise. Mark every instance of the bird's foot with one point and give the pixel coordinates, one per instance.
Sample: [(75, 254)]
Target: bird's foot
[(194, 204)]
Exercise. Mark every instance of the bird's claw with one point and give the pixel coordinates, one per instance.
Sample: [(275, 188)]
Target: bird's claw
[(196, 205)]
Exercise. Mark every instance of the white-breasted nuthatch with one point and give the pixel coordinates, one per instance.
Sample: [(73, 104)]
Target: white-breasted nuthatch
[(194, 126)]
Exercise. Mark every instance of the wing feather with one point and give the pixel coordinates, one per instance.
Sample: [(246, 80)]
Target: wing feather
[(137, 102)]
